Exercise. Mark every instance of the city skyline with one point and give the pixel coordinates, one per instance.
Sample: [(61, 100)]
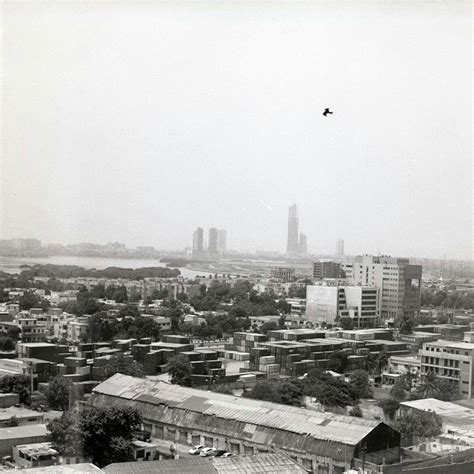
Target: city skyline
[(231, 131)]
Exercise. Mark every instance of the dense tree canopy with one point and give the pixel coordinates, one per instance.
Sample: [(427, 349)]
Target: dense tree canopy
[(104, 434), (121, 364), (424, 424), (180, 371), (58, 393), (16, 384)]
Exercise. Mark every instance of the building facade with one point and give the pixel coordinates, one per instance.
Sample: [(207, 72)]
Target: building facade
[(198, 242), (327, 269), (322, 442), (213, 238), (450, 360), (327, 304), (292, 245), (222, 241), (399, 283)]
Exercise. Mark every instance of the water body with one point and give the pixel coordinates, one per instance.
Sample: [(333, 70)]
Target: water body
[(12, 264)]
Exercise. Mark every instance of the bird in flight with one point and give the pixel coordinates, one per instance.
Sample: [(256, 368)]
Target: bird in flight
[(326, 112)]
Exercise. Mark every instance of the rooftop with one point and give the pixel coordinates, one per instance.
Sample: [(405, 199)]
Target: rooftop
[(311, 424), (452, 413), (452, 344), (25, 431), (256, 463), (33, 449)]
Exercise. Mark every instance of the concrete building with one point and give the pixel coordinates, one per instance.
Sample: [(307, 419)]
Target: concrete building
[(16, 435), (450, 360), (340, 248), (303, 244), (292, 245), (327, 304), (198, 242), (399, 283), (222, 241), (283, 274), (327, 269), (322, 442), (213, 238), (33, 329), (34, 455)]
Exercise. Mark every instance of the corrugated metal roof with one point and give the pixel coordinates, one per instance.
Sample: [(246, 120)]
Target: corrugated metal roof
[(258, 463), (285, 426), (196, 465)]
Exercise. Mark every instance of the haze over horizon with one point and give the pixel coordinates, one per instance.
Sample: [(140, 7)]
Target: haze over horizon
[(138, 122)]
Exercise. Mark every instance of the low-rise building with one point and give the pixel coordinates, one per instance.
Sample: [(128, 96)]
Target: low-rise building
[(450, 360), (34, 455), (319, 441)]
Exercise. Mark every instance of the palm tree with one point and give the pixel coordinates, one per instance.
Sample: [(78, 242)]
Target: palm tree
[(429, 386)]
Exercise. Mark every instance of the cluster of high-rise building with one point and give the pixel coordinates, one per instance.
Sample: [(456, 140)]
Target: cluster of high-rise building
[(297, 243), (216, 245)]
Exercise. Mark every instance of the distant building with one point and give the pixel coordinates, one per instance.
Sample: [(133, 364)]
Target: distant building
[(284, 274), (327, 269), (399, 283), (213, 238), (340, 248), (303, 245), (222, 241), (292, 246), (198, 242)]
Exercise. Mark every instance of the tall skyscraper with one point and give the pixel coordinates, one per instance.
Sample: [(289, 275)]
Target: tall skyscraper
[(222, 241), (303, 245), (213, 237), (198, 242), (340, 248), (292, 246)]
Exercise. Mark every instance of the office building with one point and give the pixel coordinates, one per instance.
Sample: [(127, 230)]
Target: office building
[(399, 283), (292, 246), (303, 244), (222, 241), (340, 248), (198, 242), (327, 304), (450, 360), (327, 269), (213, 238)]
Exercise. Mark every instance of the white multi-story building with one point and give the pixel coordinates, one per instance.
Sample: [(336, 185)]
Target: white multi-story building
[(399, 283), (326, 304), (452, 360)]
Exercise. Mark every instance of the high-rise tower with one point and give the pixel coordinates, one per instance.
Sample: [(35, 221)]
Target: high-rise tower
[(222, 241), (292, 246), (198, 242), (212, 246), (340, 248)]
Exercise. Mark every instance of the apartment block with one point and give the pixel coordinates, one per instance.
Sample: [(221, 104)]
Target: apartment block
[(450, 360)]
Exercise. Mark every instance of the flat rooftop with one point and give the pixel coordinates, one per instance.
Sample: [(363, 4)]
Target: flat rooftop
[(452, 344)]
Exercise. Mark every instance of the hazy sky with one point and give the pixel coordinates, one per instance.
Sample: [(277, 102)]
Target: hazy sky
[(137, 122)]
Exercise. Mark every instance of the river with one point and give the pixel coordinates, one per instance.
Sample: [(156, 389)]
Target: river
[(12, 264)]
